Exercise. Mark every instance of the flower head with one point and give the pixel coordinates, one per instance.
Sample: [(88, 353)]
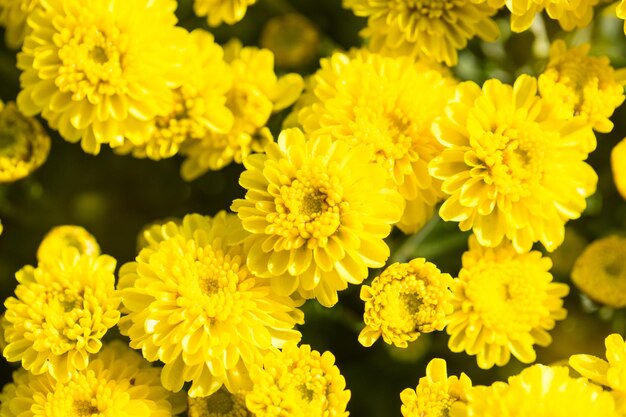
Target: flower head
[(97, 74), (13, 15), (117, 382), (504, 303), (297, 382), (318, 212), (407, 299), (387, 104), (435, 393), (222, 11), (60, 237), (219, 404), (256, 94), (513, 167), (434, 29), (600, 271), (193, 304), (61, 311), (618, 166), (570, 14), (24, 144)]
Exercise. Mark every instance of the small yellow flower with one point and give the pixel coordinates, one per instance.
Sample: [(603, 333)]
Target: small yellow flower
[(504, 303), (407, 299), (219, 404), (582, 85), (60, 237), (318, 212), (618, 166), (117, 382), (13, 15), (61, 311), (222, 11), (570, 14), (292, 38), (538, 391), (435, 393), (24, 144), (425, 28), (297, 382), (255, 95), (194, 305), (600, 271), (513, 167)]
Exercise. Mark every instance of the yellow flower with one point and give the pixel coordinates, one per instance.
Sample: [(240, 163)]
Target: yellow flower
[(60, 237), (582, 85), (600, 271), (97, 74), (513, 166), (199, 102), (435, 393), (62, 310), (318, 212), (24, 144), (389, 105), (222, 11), (194, 305), (618, 166), (219, 404), (117, 382), (425, 28), (407, 299), (504, 303), (297, 382), (13, 15), (292, 38), (611, 374), (570, 14), (256, 93)]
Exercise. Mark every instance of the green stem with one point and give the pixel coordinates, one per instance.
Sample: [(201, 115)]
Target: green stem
[(407, 249)]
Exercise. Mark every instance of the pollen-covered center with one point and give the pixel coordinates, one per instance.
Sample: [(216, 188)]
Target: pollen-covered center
[(220, 403), (82, 408), (433, 399), (308, 386)]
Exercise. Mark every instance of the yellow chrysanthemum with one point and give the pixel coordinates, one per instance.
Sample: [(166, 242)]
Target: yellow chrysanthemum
[(504, 303), (194, 305), (117, 382), (60, 237), (222, 11), (297, 382), (97, 74), (435, 393), (256, 93), (24, 144), (13, 15), (406, 300), (611, 374), (618, 166), (513, 166), (219, 404), (582, 85), (318, 212), (199, 102), (389, 105), (62, 310), (538, 391), (600, 271), (425, 28), (570, 14), (292, 38)]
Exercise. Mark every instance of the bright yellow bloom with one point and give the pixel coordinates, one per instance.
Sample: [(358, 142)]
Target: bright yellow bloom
[(60, 237), (513, 166), (98, 73), (117, 382), (600, 271), (389, 105), (611, 374), (538, 391), (219, 404), (13, 15), (297, 382), (618, 166), (582, 85), (222, 11), (256, 93), (435, 393), (570, 14), (406, 300), (292, 38), (61, 311), (318, 212), (199, 102), (424, 28), (193, 304), (504, 303), (24, 144)]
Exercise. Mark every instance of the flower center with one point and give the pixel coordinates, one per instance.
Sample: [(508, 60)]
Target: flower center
[(84, 408), (431, 9), (220, 403)]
